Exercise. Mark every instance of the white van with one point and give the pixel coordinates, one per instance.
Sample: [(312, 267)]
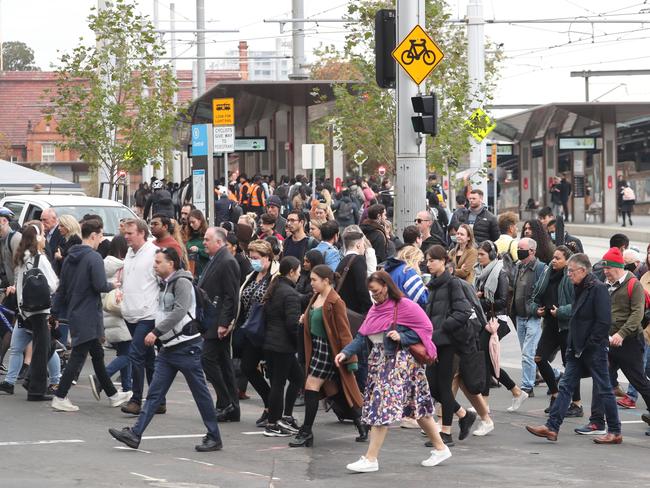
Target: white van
[(29, 207)]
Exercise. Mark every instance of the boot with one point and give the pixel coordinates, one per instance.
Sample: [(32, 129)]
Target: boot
[(363, 430), (304, 438)]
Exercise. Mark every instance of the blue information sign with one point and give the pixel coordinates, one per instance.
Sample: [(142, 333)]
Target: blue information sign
[(200, 140)]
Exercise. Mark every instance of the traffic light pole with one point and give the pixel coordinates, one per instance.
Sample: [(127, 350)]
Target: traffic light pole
[(411, 164)]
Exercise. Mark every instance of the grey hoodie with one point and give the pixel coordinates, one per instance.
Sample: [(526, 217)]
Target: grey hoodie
[(176, 308)]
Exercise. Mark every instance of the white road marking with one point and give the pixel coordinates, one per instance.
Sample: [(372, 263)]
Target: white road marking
[(257, 474), (195, 461), (255, 432), (126, 448), (632, 422), (149, 478), (38, 443), (181, 436)]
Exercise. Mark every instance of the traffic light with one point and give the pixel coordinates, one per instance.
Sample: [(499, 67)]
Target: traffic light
[(385, 33), (427, 107)]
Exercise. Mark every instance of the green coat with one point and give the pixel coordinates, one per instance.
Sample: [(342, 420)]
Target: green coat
[(196, 239), (565, 295)]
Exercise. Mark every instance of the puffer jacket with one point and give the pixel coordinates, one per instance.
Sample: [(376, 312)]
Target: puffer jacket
[(447, 308), (282, 313), (176, 311), (115, 328), (565, 296)]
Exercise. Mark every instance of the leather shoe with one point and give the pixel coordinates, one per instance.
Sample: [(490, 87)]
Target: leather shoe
[(126, 436), (131, 408), (609, 439), (542, 431), (39, 398), (161, 410), (208, 444), (230, 413)]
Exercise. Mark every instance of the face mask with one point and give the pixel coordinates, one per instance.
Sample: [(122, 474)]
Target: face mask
[(552, 236), (256, 264), (453, 239), (522, 254)]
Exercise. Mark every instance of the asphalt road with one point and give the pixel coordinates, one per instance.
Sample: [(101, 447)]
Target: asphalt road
[(39, 447)]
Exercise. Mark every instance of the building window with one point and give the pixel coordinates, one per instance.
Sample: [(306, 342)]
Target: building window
[(47, 153)]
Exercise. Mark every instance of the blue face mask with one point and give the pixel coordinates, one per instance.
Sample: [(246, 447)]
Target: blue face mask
[(256, 264), (453, 239), (552, 236)]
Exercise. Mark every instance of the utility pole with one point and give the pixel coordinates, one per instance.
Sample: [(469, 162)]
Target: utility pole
[(476, 67), (176, 157), (200, 47), (1, 50), (298, 41), (411, 164)]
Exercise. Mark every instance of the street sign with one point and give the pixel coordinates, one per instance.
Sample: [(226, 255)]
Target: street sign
[(250, 144), (313, 152), (382, 171), (418, 54), (200, 140), (224, 139), (480, 124), (493, 157), (223, 111), (198, 189)]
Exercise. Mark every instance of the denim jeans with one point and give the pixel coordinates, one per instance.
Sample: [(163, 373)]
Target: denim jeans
[(142, 357), (529, 330), (594, 360), (20, 338), (122, 364), (631, 391), (185, 359)]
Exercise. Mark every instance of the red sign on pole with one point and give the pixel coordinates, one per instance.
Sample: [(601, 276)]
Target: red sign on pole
[(525, 183), (338, 184)]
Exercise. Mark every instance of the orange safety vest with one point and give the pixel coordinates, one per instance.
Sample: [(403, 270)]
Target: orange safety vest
[(254, 200), (247, 186)]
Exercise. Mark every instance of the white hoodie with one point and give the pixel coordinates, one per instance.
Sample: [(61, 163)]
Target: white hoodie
[(140, 284)]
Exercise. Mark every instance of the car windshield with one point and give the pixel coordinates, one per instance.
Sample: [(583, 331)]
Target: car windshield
[(110, 215)]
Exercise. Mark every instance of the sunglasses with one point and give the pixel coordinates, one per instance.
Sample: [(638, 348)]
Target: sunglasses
[(419, 221)]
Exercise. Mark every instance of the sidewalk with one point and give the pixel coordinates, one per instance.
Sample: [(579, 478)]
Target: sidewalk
[(639, 232)]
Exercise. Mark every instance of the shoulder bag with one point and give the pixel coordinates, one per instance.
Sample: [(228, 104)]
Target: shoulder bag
[(418, 351), (355, 319)]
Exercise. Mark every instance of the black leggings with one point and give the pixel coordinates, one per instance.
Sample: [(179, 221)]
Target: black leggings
[(75, 363), (504, 378), (250, 360), (440, 376), (550, 341), (282, 367)]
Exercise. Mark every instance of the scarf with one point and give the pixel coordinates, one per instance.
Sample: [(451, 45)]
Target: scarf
[(488, 278), (409, 314)]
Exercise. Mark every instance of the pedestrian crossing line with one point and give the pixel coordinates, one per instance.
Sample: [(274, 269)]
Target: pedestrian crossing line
[(178, 436), (632, 422), (125, 448), (255, 432), (258, 474), (39, 443), (195, 461)]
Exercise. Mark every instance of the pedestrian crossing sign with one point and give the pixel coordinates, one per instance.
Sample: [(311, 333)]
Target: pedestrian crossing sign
[(418, 54), (480, 124)]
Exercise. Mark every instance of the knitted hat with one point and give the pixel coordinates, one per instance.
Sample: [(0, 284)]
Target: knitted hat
[(613, 258)]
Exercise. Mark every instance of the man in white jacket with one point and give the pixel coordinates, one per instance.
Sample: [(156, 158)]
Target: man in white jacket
[(139, 305)]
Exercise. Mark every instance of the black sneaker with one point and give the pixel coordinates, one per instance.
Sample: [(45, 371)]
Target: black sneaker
[(126, 436), (465, 424), (276, 430), (7, 388), (289, 423), (263, 420), (530, 391), (446, 438), (575, 411), (208, 444)]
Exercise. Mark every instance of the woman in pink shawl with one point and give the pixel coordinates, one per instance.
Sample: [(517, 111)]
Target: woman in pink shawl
[(397, 386)]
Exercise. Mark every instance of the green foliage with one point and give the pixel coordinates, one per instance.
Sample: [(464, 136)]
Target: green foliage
[(364, 116), (18, 56), (112, 102)]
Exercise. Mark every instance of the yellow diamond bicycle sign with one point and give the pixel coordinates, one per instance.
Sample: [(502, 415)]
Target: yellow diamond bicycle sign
[(480, 124), (418, 54)]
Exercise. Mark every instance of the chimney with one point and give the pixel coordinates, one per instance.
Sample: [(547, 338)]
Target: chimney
[(243, 59)]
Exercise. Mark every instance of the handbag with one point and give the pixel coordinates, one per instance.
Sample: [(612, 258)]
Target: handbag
[(255, 326), (471, 368), (109, 301), (418, 351), (354, 318)]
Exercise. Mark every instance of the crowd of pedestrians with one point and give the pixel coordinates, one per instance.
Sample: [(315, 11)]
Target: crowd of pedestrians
[(308, 294)]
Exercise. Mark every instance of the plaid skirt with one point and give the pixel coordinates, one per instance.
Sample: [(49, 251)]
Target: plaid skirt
[(321, 364)]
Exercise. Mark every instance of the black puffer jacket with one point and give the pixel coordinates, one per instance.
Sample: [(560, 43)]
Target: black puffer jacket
[(376, 234), (282, 313), (447, 308), (500, 304), (485, 227)]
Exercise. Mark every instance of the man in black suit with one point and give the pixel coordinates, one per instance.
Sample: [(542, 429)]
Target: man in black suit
[(220, 280), (50, 222)]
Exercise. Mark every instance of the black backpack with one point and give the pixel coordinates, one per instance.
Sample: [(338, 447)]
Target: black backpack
[(36, 289), (205, 317), (345, 210)]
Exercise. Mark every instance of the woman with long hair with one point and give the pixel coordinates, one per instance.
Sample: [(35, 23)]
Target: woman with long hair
[(71, 231), (492, 290), (312, 259), (464, 253), (545, 247), (282, 313), (397, 385), (326, 333), (197, 225)]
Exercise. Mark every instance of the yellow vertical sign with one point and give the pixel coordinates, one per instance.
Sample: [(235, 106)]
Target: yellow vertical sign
[(493, 159), (223, 111)]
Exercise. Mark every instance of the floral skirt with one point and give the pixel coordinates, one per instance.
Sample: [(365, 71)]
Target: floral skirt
[(397, 387)]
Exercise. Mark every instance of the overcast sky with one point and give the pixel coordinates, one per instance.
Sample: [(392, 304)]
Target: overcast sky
[(536, 70)]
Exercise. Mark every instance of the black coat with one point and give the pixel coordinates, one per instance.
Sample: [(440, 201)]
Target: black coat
[(282, 313), (354, 290), (304, 288), (592, 313), (55, 242), (500, 305), (447, 308), (485, 227), (159, 203), (64, 248), (220, 280), (383, 246)]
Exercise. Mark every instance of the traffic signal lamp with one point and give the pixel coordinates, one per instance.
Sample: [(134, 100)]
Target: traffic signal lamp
[(427, 107), (385, 33)]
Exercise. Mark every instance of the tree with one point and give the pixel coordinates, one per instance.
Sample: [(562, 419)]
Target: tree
[(363, 117), (18, 56), (113, 102)]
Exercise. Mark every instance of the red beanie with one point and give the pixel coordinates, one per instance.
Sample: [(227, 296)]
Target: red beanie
[(613, 258)]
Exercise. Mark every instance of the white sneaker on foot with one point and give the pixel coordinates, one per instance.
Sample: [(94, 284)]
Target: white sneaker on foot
[(409, 423), (63, 404), (518, 402), (437, 457), (484, 428), (363, 465), (120, 398)]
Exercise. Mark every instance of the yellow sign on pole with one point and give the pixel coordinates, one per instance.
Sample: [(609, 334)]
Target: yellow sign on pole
[(493, 158), (418, 54), (480, 124), (223, 111)]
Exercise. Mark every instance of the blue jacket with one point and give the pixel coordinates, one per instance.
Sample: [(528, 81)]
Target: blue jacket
[(408, 337), (330, 253), (408, 281)]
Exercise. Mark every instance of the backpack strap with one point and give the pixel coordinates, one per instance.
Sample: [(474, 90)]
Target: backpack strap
[(345, 272)]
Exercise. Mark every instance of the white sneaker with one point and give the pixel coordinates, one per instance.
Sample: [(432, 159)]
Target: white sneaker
[(63, 404), (363, 465), (120, 398), (437, 457), (409, 423), (484, 428), (518, 402)]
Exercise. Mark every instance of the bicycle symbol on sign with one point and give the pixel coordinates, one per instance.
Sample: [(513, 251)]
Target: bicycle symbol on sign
[(413, 54)]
